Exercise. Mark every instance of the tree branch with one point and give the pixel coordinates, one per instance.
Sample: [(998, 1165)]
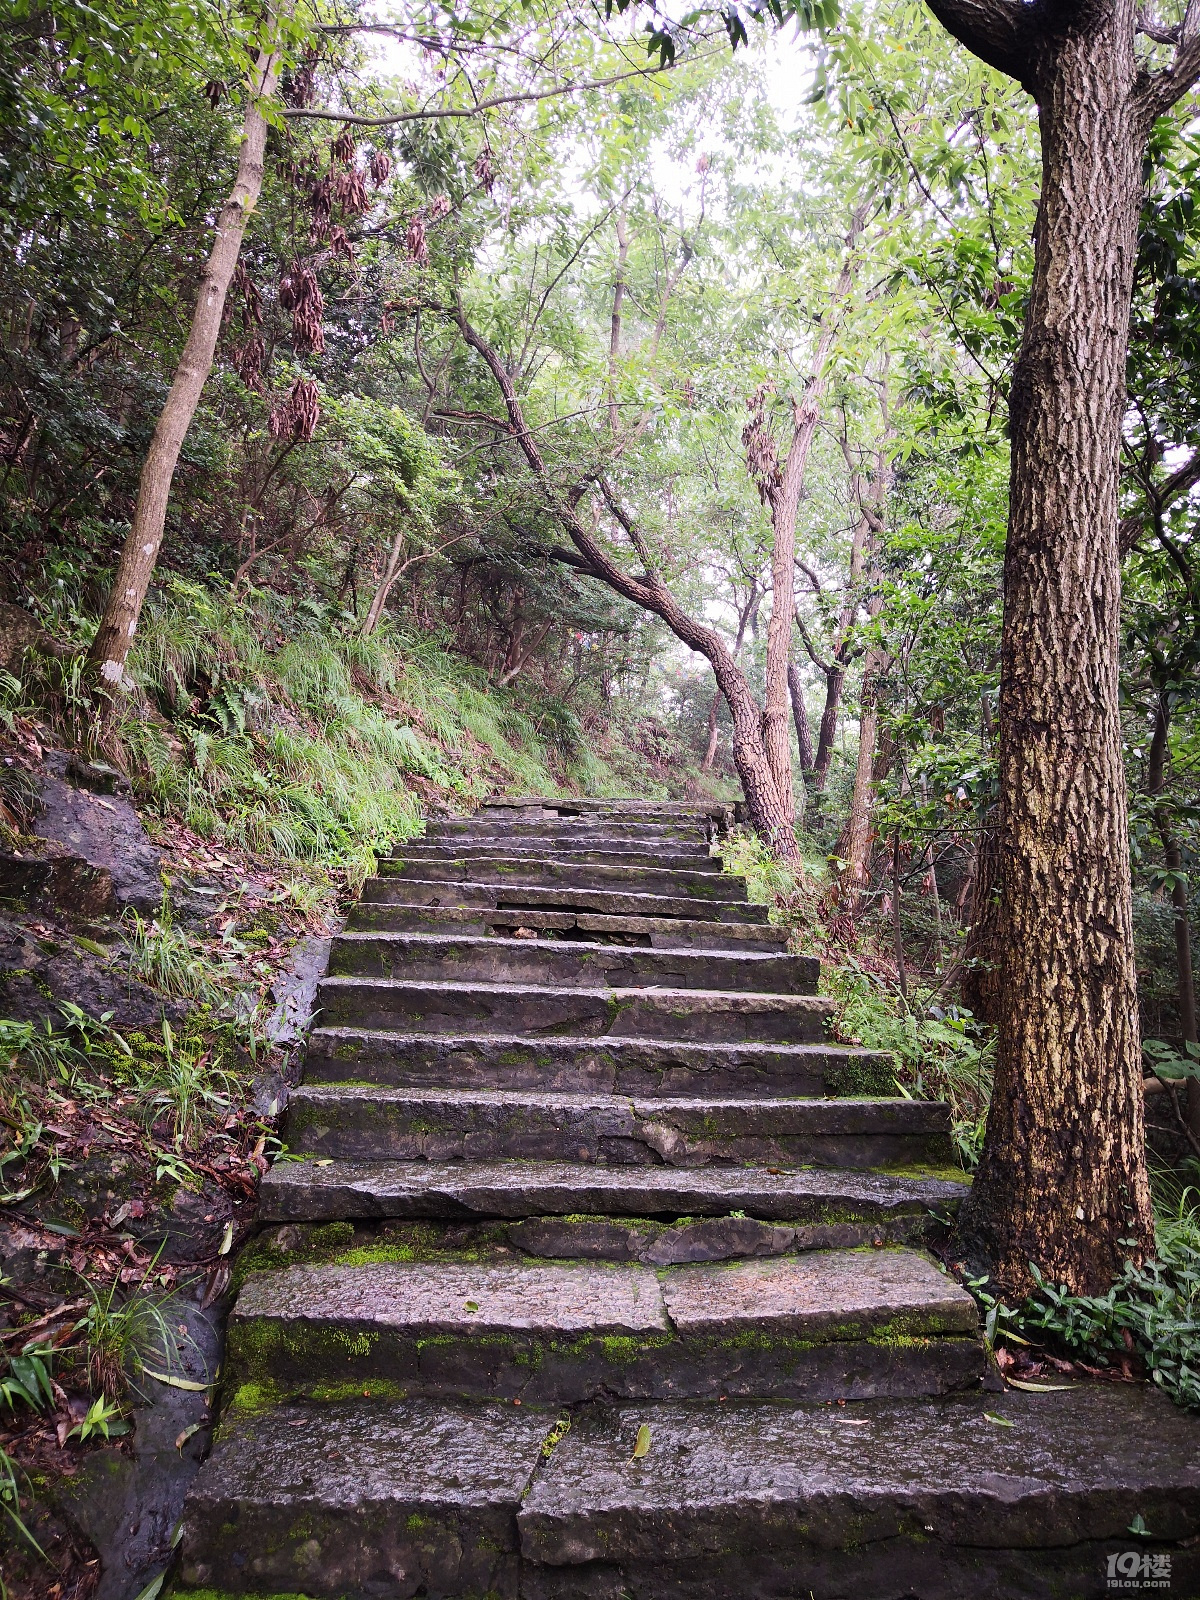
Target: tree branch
[(994, 30), (430, 112), (1157, 92)]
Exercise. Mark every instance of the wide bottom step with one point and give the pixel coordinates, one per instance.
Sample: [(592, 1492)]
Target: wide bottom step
[(1003, 1497)]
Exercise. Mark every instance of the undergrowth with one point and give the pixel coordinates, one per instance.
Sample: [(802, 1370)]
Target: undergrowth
[(940, 1052), (269, 724), (1152, 1311)]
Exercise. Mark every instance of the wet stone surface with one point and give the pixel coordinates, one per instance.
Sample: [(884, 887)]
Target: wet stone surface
[(826, 1294), (386, 1500), (305, 1192)]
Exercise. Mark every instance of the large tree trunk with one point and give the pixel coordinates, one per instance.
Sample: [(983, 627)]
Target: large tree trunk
[(1062, 1180), (110, 648)]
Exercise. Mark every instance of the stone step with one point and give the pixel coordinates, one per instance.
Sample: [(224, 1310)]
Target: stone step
[(560, 897), (302, 1191), (736, 1501), (661, 856), (828, 1325), (355, 1122), (621, 810), (652, 933), (543, 1010), (565, 832), (610, 1066), (446, 957), (546, 873)]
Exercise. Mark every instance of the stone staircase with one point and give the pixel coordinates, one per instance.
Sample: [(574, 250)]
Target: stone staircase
[(602, 1275)]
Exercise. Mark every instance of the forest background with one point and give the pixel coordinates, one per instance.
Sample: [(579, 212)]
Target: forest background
[(543, 315)]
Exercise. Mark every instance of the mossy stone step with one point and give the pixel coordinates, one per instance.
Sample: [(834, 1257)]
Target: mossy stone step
[(657, 933), (545, 1010), (543, 872), (828, 1324), (560, 896), (602, 1066), (302, 1191), (756, 1501), (449, 957), (354, 1122)]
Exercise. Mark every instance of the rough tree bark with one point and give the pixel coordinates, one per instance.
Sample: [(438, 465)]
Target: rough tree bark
[(1062, 1178), (766, 805), (110, 648)]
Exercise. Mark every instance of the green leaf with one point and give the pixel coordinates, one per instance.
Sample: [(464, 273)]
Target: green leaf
[(642, 1447)]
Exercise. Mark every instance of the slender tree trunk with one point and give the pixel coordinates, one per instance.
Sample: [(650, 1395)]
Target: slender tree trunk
[(835, 677), (800, 717), (110, 648), (710, 751), (1156, 779), (1062, 1179), (391, 572), (858, 825)]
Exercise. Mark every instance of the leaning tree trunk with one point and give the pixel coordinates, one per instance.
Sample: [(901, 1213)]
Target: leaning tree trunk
[(1062, 1180), (110, 648)]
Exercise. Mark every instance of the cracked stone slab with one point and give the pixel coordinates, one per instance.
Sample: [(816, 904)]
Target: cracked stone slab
[(741, 1480), (657, 933), (440, 957), (697, 886), (397, 1499), (663, 855), (367, 1122), (651, 1067), (304, 1192), (560, 896), (835, 1294), (543, 1010)]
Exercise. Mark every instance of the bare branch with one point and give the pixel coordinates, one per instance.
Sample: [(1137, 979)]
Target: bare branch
[(430, 113)]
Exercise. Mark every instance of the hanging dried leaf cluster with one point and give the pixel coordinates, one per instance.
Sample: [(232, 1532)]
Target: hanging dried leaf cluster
[(762, 458), (485, 169), (298, 415), (300, 293)]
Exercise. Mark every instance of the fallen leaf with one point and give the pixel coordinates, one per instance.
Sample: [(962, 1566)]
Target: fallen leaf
[(218, 1282), (189, 1384), (472, 1305), (226, 1240), (182, 1438), (1039, 1388), (1001, 1422), (642, 1447)]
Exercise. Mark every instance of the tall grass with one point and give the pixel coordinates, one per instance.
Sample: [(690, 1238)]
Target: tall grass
[(267, 724)]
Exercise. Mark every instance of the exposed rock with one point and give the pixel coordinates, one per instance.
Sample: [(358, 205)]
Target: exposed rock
[(19, 631), (102, 829)]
